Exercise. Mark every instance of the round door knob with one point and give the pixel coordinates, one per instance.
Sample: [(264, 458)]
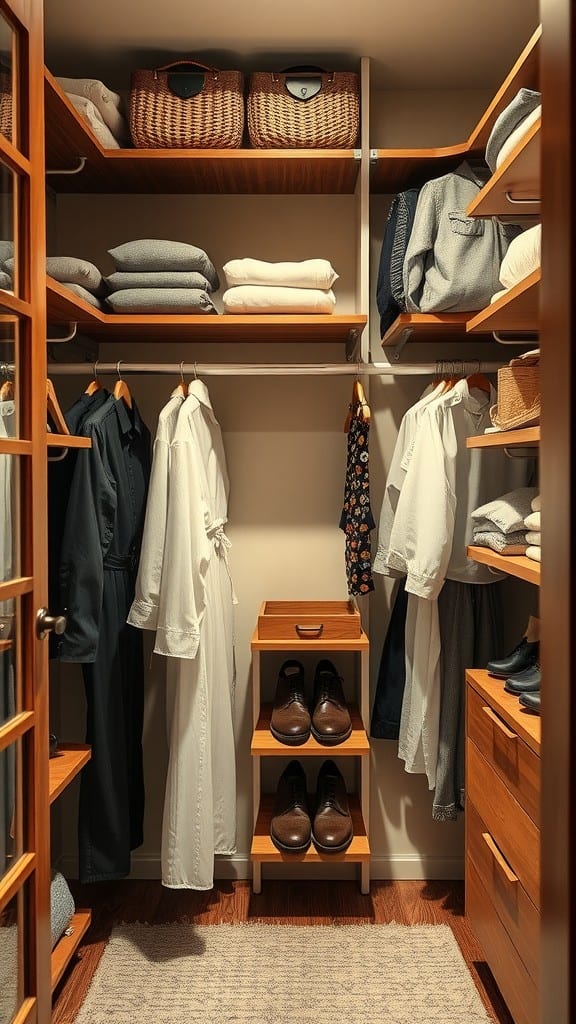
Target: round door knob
[(46, 623)]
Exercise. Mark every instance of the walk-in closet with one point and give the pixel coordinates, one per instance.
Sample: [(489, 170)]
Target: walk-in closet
[(286, 388)]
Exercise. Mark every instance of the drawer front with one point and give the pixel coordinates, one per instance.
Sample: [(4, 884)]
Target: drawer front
[(513, 830), (510, 901), (512, 978), (309, 620), (512, 759)]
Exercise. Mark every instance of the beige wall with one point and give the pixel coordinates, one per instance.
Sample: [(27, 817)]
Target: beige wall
[(285, 449)]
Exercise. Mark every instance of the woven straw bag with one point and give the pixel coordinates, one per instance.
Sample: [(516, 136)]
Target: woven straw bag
[(311, 109), (518, 397), (187, 105)]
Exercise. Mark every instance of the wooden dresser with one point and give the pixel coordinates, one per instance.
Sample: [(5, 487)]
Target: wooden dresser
[(503, 839)]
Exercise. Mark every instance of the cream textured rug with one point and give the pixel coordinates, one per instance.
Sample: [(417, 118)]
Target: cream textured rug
[(265, 974)]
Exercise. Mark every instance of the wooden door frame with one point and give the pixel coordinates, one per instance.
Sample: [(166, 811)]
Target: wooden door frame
[(558, 482)]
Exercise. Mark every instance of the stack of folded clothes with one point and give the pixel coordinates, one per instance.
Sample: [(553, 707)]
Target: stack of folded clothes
[(102, 109), (521, 259), (511, 126), (79, 276), (533, 535), (255, 286), (499, 524), (157, 276)]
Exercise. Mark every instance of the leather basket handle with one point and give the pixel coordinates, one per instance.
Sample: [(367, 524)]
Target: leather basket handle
[(188, 63)]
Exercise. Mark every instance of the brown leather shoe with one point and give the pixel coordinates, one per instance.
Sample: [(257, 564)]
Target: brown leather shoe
[(331, 723), (332, 830), (290, 828), (290, 721)]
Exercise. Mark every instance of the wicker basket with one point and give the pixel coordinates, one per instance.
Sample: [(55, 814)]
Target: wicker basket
[(518, 397), (6, 125), (304, 110), (187, 105)]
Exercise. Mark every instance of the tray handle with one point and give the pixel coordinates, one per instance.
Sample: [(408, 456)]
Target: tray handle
[(313, 632)]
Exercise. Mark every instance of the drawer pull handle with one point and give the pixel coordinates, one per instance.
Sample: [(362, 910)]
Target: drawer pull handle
[(499, 723), (501, 862), (306, 630)]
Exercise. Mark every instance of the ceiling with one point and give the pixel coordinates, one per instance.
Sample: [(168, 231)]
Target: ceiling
[(414, 44)]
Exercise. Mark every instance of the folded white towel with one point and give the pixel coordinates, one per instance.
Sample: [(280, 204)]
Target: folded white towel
[(317, 273), (94, 120), (536, 504), (535, 553), (534, 537), (532, 522), (522, 256), (109, 103), (252, 298)]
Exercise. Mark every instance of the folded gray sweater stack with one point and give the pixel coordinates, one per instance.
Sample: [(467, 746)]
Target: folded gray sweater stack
[(157, 276), (500, 524)]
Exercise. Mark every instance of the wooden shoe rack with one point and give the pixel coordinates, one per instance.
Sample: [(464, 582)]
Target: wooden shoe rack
[(297, 628)]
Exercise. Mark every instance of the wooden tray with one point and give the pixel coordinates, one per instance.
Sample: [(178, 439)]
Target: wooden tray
[(308, 620)]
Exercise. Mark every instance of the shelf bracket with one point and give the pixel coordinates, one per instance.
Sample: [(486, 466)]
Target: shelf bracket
[(358, 154), (373, 156), (69, 170), (532, 336), (396, 351), (72, 329), (521, 202)]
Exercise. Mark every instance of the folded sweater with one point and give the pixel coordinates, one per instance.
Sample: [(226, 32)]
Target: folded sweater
[(508, 512), (503, 543), (316, 273), (250, 298)]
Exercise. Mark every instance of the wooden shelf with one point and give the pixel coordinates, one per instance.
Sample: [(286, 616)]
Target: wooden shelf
[(185, 171), (264, 743), (66, 946), (426, 327), (515, 565), (526, 724), (263, 848), (361, 643), (63, 306), (69, 759), (525, 437), (67, 441), (517, 310), (518, 176)]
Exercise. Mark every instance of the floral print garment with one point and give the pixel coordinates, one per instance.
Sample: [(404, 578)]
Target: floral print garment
[(357, 520)]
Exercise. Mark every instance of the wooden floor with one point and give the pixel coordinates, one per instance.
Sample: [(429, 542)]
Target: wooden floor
[(280, 903)]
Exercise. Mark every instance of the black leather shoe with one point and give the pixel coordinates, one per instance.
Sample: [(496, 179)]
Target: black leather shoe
[(332, 830), (331, 723), (290, 720), (524, 682), (291, 828), (531, 701), (524, 656)]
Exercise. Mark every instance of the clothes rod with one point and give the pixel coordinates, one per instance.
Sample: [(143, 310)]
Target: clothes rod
[(273, 369)]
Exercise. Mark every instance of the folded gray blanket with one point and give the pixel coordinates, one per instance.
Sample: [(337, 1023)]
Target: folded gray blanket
[(159, 279), (508, 512), (503, 543), (161, 300)]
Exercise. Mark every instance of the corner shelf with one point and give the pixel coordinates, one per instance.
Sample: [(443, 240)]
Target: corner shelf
[(185, 171), (263, 850), (426, 327), (264, 744), (64, 306), (528, 726), (66, 946), (525, 437), (517, 310), (514, 565), (519, 176), (68, 761)]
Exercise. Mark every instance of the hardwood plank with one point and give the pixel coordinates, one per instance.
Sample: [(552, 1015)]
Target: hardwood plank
[(68, 761), (527, 725), (517, 310), (68, 945), (14, 446), (515, 565), (290, 902), (518, 177), (263, 848), (265, 744), (524, 437)]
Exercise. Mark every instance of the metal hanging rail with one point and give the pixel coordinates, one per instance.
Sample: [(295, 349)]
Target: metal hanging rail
[(274, 369)]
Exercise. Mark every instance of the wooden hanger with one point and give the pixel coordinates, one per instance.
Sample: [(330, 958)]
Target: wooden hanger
[(358, 406), (94, 384), (479, 381), (182, 387), (54, 410), (121, 389)]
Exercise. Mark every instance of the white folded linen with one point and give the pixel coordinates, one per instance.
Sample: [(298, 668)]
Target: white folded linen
[(522, 256), (94, 120), (316, 273), (532, 522), (518, 134), (534, 537), (535, 553), (536, 504), (252, 298), (108, 103)]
